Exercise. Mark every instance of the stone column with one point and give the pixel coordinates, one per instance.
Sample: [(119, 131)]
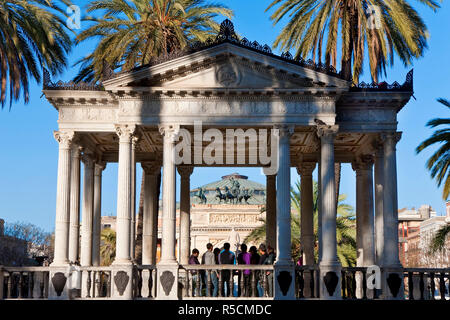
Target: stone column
[(392, 274), (63, 198), (364, 216), (88, 209), (97, 219), (271, 210), (74, 233), (134, 141), (305, 170), (150, 214), (379, 186), (123, 265), (284, 266), (185, 214), (330, 267), (168, 266)]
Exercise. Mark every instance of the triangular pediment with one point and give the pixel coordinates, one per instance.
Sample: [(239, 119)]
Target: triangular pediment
[(225, 66)]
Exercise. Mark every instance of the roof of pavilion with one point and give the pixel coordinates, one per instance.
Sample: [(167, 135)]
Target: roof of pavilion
[(228, 35)]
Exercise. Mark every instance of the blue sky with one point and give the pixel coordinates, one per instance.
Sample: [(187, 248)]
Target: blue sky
[(29, 153)]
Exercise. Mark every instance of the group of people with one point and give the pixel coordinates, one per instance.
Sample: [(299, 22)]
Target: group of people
[(215, 256)]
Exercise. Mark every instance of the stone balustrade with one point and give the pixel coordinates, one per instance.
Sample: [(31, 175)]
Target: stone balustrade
[(199, 281)]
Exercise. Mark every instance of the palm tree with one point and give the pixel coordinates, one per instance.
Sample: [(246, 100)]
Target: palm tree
[(107, 246), (345, 228), (439, 162), (33, 35), (347, 28), (134, 32), (439, 239)]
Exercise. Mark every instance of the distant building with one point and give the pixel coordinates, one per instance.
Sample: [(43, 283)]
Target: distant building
[(416, 230)]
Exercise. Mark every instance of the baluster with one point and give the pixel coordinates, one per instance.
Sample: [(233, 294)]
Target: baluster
[(432, 285), (150, 283), (109, 283), (88, 285), (312, 283), (301, 284), (94, 283), (264, 284), (231, 284), (198, 289), (410, 286), (41, 286), (187, 285), (220, 283), (208, 283), (100, 284), (254, 289), (364, 283), (139, 283), (421, 286), (30, 284), (9, 289), (353, 284), (343, 284), (442, 284)]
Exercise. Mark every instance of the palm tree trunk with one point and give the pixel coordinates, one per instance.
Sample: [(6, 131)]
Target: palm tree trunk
[(140, 221)]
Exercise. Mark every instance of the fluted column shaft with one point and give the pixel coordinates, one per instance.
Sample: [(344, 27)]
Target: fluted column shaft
[(96, 222), (364, 211), (124, 192), (150, 214), (306, 224), (271, 210), (185, 214), (284, 197), (328, 194), (88, 210), (62, 220), (134, 141), (170, 134), (74, 232), (379, 194), (390, 204)]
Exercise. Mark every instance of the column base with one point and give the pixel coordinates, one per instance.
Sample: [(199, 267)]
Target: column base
[(122, 281), (284, 280), (330, 280), (392, 283), (167, 281)]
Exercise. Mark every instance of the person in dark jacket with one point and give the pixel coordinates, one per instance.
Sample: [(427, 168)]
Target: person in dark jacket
[(193, 259), (270, 260), (226, 257)]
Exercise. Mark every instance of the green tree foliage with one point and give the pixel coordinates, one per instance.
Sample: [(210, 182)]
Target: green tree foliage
[(33, 35), (352, 30), (134, 32), (439, 162)]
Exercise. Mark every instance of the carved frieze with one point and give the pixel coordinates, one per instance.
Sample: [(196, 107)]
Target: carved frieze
[(224, 219), (88, 114)]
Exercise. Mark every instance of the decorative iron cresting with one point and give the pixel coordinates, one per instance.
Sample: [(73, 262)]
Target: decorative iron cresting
[(227, 34), (69, 85), (384, 86)]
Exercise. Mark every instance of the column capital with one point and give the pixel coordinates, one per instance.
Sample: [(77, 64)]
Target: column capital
[(284, 130), (185, 171), (324, 130), (151, 167), (88, 158), (64, 138), (125, 131), (363, 162), (306, 168), (76, 150), (391, 137), (171, 131), (99, 167)]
